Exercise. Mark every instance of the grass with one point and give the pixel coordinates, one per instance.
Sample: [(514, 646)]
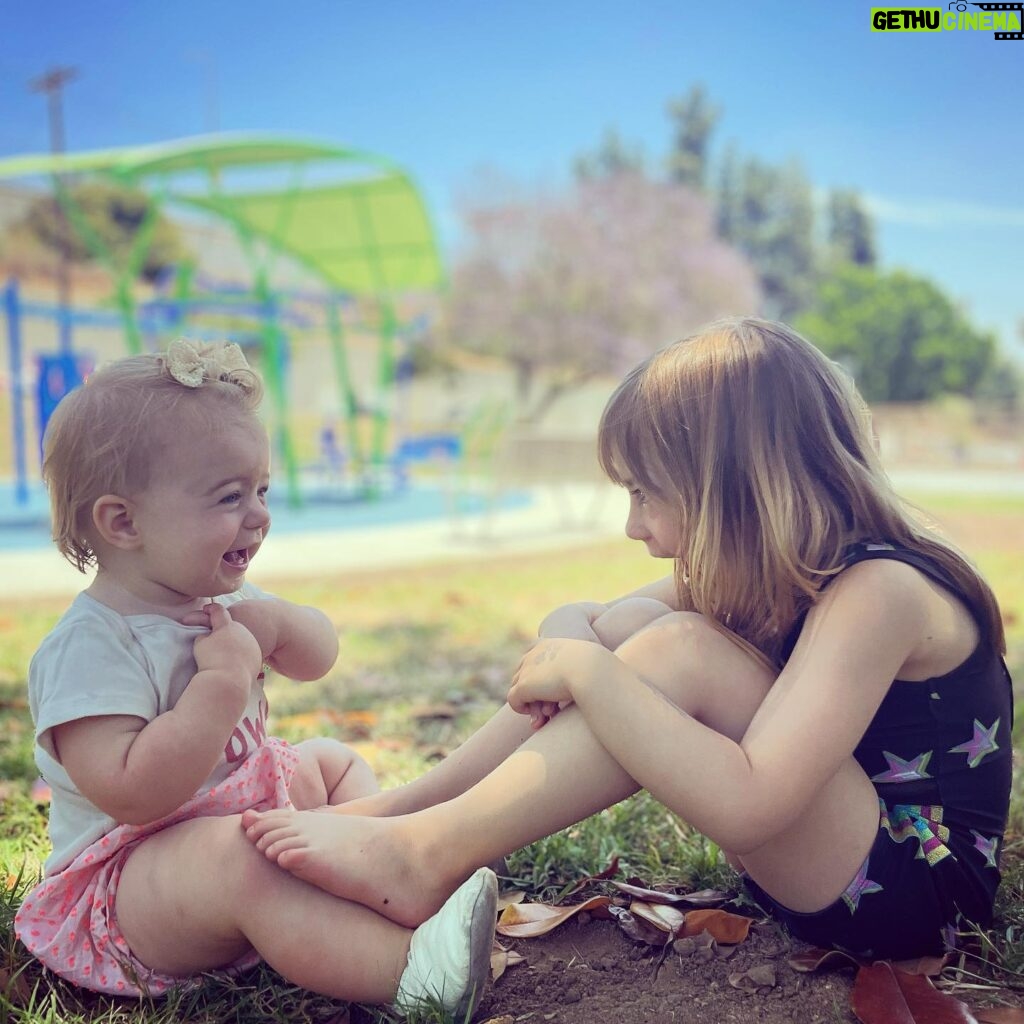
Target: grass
[(426, 656)]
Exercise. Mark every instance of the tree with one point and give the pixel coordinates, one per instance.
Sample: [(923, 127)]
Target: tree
[(694, 118), (901, 337), (767, 212), (611, 157), (568, 287), (851, 233), (113, 216)]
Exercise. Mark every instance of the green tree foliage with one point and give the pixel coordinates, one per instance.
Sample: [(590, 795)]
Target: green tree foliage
[(612, 157), (693, 119), (113, 216), (851, 232), (767, 212), (900, 336)]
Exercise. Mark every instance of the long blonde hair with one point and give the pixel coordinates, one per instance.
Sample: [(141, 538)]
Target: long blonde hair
[(764, 448)]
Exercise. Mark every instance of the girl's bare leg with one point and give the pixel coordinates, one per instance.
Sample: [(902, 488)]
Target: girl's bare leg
[(405, 866), (198, 896)]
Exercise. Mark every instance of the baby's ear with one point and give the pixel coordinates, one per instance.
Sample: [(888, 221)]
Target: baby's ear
[(113, 518)]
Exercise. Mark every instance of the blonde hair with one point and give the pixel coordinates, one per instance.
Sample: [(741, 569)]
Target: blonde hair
[(764, 448), (109, 435)]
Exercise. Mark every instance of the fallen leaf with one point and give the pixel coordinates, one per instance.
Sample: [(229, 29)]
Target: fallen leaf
[(723, 926), (758, 976), (435, 711), (638, 929), (15, 987), (666, 919), (814, 959), (505, 1018), (704, 898), (601, 876), (883, 996), (502, 959), (999, 1015), (510, 898), (930, 965), (528, 920)]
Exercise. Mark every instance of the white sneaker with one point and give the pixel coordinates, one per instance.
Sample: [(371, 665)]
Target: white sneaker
[(450, 954)]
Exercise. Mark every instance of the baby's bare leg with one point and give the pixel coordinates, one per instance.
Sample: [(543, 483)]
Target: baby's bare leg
[(329, 772), (615, 626), (198, 896)]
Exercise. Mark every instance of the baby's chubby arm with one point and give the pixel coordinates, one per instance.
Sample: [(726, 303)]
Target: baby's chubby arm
[(138, 771), (298, 641)]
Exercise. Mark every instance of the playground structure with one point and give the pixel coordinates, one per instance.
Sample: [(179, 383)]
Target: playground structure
[(352, 221)]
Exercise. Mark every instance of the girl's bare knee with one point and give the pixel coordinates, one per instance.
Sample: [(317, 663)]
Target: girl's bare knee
[(626, 618), (718, 679)]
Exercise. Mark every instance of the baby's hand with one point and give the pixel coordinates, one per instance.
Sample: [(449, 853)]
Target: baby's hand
[(228, 647), (261, 617)]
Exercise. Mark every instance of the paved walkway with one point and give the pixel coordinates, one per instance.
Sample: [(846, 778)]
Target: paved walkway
[(559, 517)]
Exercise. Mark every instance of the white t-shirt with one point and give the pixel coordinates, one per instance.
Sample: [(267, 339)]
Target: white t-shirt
[(99, 662)]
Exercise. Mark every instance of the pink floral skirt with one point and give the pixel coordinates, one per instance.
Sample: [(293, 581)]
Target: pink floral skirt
[(68, 921)]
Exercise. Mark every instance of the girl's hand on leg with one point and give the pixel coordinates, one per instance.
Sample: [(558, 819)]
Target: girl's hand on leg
[(550, 670)]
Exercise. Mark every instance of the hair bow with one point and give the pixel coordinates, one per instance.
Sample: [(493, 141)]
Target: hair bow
[(190, 363)]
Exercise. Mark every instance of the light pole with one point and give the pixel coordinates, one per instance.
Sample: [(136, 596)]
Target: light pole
[(52, 84)]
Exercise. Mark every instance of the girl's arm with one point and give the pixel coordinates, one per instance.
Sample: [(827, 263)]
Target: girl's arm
[(138, 771), (855, 641), (297, 641), (482, 752)]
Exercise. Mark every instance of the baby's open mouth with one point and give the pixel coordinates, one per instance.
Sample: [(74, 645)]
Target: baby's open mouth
[(237, 559)]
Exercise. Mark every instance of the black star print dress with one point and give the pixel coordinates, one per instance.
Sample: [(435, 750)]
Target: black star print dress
[(939, 754)]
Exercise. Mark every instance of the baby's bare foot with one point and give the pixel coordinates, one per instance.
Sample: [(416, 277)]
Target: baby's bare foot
[(374, 861)]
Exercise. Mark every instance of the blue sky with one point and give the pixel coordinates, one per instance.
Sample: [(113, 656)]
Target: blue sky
[(924, 125)]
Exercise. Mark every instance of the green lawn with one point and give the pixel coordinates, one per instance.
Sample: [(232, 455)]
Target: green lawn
[(426, 656)]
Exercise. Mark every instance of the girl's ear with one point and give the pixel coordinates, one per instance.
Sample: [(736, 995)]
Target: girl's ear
[(114, 520)]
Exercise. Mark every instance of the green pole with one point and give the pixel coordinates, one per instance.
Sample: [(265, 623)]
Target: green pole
[(385, 387), (349, 404), (273, 349)]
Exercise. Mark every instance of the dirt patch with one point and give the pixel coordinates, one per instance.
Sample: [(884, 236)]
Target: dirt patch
[(589, 972)]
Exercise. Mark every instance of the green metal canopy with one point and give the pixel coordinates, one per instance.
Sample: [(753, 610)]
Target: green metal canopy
[(361, 226), (353, 219)]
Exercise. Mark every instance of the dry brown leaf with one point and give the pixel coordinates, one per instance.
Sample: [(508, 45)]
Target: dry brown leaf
[(528, 920), (505, 1018), (601, 876), (502, 959), (510, 899), (930, 965), (638, 929), (723, 926), (704, 898), (814, 959), (999, 1015), (666, 919), (883, 996), (15, 987), (443, 711)]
